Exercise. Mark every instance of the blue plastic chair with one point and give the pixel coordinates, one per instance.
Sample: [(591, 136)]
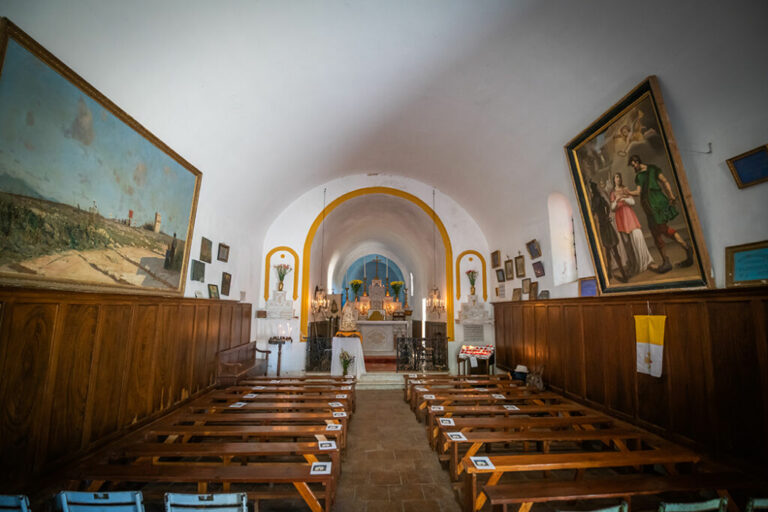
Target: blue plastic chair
[(125, 501), (621, 507), (757, 504), (19, 503), (224, 502), (719, 504)]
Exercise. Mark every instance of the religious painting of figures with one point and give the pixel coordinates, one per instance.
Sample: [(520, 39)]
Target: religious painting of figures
[(638, 212), (89, 199)]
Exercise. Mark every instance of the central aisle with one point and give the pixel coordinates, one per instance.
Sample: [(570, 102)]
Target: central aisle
[(389, 465)]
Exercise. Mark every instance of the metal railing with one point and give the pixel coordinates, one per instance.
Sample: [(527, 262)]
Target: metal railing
[(422, 354)]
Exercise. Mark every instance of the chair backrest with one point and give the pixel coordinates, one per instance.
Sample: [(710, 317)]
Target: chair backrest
[(125, 501), (18, 503), (719, 504), (225, 502), (757, 504), (621, 507)]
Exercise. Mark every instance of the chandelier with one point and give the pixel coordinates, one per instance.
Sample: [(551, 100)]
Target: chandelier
[(320, 299), (434, 303)]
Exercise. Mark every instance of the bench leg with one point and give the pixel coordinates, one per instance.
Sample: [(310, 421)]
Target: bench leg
[(309, 497)]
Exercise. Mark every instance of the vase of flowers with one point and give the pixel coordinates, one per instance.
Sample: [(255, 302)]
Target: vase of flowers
[(472, 276), (396, 287), (356, 285), (346, 359), (282, 270)]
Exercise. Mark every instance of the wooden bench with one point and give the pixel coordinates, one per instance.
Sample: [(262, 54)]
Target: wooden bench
[(297, 474), (476, 440), (526, 493), (474, 499), (240, 362), (345, 398), (520, 423), (245, 432)]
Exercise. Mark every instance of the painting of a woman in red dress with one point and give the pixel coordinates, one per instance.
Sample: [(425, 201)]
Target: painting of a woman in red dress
[(627, 224)]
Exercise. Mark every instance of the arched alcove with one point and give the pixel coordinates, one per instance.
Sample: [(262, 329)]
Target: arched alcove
[(562, 237)]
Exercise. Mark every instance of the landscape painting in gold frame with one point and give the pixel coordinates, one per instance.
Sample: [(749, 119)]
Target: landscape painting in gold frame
[(89, 198), (637, 209)]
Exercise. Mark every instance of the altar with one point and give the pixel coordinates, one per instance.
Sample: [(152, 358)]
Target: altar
[(379, 336)]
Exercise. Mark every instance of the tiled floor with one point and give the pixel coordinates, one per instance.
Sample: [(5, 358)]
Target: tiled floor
[(389, 465)]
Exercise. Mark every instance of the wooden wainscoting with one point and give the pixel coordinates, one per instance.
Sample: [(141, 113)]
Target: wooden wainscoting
[(714, 386), (79, 368)]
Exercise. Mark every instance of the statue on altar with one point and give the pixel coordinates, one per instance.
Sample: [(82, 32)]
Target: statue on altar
[(348, 318)]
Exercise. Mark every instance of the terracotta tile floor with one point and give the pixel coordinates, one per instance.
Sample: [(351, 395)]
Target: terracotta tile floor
[(389, 465)]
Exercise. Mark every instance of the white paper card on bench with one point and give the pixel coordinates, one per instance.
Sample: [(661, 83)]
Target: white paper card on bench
[(237, 405), (333, 426), (447, 422), (256, 388), (417, 382), (274, 382), (456, 436), (340, 414), (429, 397), (511, 407), (436, 408), (482, 462), (250, 395), (335, 404), (346, 388), (412, 376), (471, 381), (498, 396), (326, 445), (320, 468), (420, 388), (341, 396)]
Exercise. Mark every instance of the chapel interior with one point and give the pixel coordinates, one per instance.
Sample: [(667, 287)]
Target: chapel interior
[(363, 255)]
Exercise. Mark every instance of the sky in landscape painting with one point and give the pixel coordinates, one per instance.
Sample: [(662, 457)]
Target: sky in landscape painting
[(69, 149)]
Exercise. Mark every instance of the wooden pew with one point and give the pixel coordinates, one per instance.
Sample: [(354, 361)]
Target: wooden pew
[(474, 498), (296, 474), (521, 423), (239, 362), (347, 397), (245, 432), (525, 494), (475, 440)]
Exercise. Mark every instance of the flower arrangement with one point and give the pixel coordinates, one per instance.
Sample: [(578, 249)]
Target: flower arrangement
[(396, 287), (283, 270), (356, 285), (346, 359), (472, 275)]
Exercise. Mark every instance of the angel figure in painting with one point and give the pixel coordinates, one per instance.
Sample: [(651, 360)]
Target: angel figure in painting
[(628, 226)]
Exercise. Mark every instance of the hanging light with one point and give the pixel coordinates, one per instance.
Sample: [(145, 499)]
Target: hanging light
[(320, 299), (434, 303)]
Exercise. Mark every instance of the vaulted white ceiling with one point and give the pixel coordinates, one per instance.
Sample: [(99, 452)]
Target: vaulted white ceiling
[(474, 97)]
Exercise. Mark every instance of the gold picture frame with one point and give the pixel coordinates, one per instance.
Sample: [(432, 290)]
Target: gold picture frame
[(118, 204), (626, 166), (746, 265)]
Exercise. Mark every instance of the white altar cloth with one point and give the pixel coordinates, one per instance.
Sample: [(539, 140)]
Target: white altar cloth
[(355, 349)]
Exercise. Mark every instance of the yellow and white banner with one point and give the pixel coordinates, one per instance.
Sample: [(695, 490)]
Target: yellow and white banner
[(649, 333)]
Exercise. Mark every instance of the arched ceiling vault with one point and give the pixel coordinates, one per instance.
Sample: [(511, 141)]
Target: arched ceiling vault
[(383, 224)]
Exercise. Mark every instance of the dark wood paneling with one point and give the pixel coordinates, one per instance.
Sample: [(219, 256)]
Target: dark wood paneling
[(111, 376), (79, 368), (70, 395), (737, 387), (225, 327), (24, 360), (139, 383), (714, 384)]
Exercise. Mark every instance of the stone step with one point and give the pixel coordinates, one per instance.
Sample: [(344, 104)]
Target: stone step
[(381, 380)]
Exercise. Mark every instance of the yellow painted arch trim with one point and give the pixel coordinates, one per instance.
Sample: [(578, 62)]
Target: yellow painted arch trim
[(458, 273), (295, 269), (305, 286)]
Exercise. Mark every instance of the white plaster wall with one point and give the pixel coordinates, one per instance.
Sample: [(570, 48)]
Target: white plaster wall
[(292, 224)]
